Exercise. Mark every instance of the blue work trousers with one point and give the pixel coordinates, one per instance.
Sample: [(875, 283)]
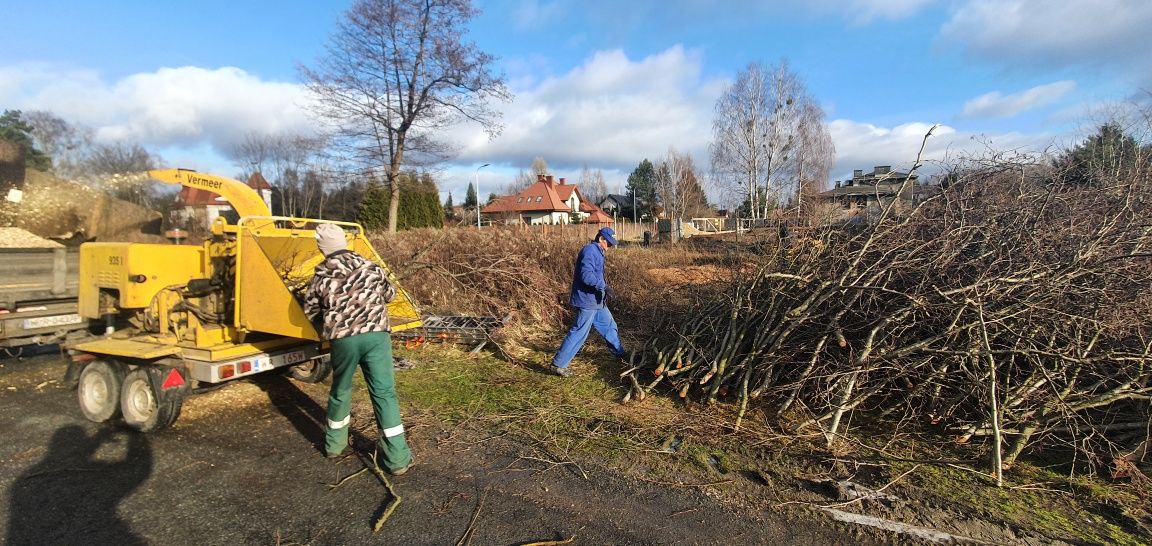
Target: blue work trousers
[(586, 319)]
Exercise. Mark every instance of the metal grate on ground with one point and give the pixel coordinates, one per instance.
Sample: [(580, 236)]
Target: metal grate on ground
[(464, 330)]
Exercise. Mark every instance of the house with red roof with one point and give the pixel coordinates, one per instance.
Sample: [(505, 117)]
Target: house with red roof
[(202, 207), (547, 201)]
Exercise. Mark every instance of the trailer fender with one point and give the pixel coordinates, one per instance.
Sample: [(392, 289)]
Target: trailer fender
[(169, 381)]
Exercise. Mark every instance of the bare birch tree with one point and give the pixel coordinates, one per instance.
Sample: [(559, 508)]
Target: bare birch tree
[(396, 72), (814, 158), (760, 125), (739, 154)]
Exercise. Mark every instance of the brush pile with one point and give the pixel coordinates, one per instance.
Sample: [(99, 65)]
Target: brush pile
[(494, 272), (1010, 305)]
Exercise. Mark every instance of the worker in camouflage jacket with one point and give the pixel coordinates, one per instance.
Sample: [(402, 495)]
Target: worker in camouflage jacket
[(348, 299)]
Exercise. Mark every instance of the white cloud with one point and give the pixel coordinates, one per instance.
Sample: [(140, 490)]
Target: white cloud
[(1098, 33), (863, 145), (610, 112), (997, 106), (187, 107)]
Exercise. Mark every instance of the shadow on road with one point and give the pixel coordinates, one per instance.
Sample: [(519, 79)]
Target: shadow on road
[(307, 416), (71, 495), (301, 410)]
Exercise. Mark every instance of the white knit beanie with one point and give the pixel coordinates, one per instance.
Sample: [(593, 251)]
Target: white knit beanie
[(330, 238)]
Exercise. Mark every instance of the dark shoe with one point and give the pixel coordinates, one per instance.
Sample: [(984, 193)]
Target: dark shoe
[(343, 453), (562, 372)]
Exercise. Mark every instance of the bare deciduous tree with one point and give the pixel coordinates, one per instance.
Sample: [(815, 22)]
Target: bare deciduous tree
[(592, 184), (738, 130), (815, 155), (290, 163), (520, 182), (678, 187), (524, 179), (66, 143), (539, 167), (768, 134), (396, 71), (105, 161)]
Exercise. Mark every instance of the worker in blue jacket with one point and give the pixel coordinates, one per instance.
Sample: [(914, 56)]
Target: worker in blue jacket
[(589, 298)]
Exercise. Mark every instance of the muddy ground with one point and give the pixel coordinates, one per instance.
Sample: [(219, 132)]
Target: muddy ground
[(242, 466)]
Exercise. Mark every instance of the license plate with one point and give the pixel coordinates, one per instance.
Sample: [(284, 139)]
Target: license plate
[(295, 357), (58, 320)]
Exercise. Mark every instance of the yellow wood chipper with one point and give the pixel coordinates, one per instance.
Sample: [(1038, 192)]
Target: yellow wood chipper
[(177, 318)]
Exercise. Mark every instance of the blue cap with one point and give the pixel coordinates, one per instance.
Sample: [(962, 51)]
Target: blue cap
[(608, 235)]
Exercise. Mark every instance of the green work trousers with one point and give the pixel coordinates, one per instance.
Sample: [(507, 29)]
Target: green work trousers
[(373, 352)]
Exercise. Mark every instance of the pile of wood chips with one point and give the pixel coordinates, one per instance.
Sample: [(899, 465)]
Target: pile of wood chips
[(14, 237)]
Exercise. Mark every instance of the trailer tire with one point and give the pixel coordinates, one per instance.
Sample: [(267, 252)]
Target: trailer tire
[(98, 390), (142, 406), (312, 371)]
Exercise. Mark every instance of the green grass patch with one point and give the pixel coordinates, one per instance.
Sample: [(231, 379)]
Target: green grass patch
[(665, 441)]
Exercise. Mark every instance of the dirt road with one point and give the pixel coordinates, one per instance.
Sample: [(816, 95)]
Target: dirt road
[(241, 466)]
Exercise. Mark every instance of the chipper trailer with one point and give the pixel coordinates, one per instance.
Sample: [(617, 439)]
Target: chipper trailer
[(177, 319)]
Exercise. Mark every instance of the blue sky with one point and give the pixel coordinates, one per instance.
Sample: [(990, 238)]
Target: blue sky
[(597, 82)]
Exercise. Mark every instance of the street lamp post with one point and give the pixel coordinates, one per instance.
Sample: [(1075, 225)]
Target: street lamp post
[(478, 193)]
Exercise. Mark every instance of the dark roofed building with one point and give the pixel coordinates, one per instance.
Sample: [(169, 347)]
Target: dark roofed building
[(866, 194), (617, 205)]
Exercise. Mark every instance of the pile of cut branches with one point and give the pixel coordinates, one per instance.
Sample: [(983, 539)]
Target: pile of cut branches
[(495, 271), (1010, 304)]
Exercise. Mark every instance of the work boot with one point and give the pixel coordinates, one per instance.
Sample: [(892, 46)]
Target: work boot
[(341, 454), (562, 372), (403, 470)]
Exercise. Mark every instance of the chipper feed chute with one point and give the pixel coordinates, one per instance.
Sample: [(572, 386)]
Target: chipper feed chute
[(273, 266)]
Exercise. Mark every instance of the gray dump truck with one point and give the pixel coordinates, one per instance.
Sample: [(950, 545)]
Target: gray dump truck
[(38, 287)]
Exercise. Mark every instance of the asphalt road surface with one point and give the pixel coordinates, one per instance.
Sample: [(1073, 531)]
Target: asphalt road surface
[(242, 466)]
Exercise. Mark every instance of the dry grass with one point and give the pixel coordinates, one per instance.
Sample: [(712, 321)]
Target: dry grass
[(526, 275)]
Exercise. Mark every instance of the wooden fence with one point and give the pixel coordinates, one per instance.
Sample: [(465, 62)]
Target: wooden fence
[(629, 232)]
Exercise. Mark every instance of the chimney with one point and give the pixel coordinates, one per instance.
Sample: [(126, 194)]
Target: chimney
[(882, 169), (540, 178), (550, 180), (561, 181)]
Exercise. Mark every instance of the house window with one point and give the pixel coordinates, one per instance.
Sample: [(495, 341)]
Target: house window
[(519, 199), (539, 198)]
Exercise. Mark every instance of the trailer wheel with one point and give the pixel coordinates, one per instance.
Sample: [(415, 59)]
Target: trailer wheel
[(98, 390), (312, 371), (141, 406)]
